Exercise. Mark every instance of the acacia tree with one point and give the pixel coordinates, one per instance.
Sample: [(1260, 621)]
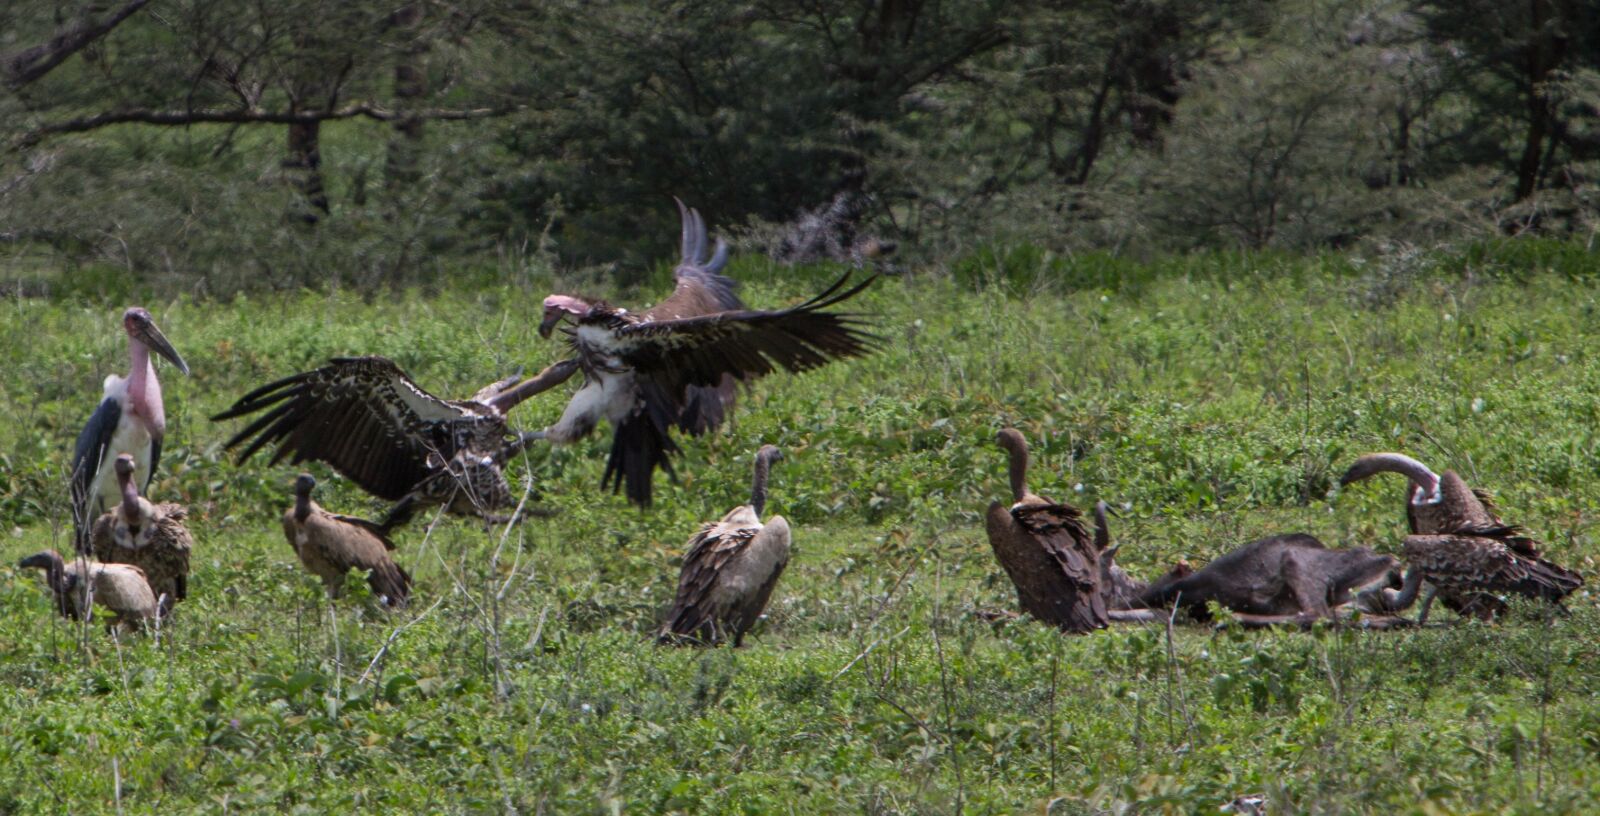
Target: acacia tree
[(1511, 56)]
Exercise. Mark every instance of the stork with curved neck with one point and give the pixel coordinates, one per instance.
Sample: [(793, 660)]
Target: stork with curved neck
[(131, 419)]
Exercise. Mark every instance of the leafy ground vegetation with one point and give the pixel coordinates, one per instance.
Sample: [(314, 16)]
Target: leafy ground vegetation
[(1213, 398)]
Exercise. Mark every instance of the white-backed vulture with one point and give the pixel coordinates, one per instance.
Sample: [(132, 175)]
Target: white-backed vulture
[(79, 584), (149, 536), (330, 545), (730, 569), (130, 419), (678, 363), (367, 419), (1046, 550), (1460, 546)]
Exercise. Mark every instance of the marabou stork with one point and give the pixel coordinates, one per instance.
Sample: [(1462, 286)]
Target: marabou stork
[(730, 569), (678, 362), (1459, 544), (367, 419), (130, 420), (1047, 551)]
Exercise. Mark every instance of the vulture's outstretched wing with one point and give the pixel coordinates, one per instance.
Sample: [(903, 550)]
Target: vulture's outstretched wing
[(700, 351), (363, 416), (1472, 563)]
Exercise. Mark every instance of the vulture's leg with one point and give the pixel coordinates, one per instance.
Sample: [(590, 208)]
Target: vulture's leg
[(1427, 601), (400, 515), (545, 380)]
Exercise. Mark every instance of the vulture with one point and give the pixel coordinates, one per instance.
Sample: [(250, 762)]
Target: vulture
[(1047, 550), (330, 545), (373, 424), (730, 570), (130, 419), (120, 588), (1459, 544), (678, 363), (149, 536)]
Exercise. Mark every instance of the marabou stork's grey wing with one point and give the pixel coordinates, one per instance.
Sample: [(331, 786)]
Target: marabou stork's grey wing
[(363, 416), (709, 552), (1473, 563), (700, 351), (89, 454)]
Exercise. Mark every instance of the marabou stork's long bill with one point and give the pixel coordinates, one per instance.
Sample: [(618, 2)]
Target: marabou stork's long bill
[(130, 420), (678, 363), (367, 419)]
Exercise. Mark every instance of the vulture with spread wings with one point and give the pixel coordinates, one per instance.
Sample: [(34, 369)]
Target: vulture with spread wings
[(371, 423), (679, 362)]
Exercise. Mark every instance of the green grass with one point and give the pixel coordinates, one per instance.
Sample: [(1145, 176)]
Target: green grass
[(1216, 399)]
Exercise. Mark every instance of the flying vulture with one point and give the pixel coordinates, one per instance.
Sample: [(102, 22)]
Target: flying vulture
[(678, 362), (367, 419)]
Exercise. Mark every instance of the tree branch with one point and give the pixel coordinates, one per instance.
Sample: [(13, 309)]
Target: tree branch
[(30, 64), (146, 116)]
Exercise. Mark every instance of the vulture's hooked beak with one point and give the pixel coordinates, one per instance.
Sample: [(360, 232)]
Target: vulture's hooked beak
[(147, 333), (551, 318)]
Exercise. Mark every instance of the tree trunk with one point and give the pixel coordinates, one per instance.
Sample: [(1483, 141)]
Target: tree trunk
[(1546, 50), (303, 169), (410, 85)]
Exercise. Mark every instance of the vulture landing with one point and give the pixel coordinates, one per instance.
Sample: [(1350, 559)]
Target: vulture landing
[(131, 419), (367, 419), (120, 588), (730, 570), (149, 536), (1046, 549), (1459, 544), (330, 545), (678, 363)]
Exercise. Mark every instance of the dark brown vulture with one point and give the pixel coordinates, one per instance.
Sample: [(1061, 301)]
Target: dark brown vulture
[(1047, 550), (149, 536), (367, 419), (730, 570), (678, 363), (1459, 544), (79, 584), (330, 545), (130, 419)]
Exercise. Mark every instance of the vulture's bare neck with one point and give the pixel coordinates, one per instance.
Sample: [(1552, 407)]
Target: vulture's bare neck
[(302, 506), (758, 485), (1019, 474)]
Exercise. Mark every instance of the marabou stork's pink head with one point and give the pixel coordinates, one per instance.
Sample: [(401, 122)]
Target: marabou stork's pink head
[(557, 307), (139, 325)]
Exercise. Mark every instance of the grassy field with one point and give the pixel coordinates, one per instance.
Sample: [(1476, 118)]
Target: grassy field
[(1215, 399)]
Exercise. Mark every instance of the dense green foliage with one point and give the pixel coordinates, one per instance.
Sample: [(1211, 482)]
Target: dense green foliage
[(214, 146), (1213, 397)]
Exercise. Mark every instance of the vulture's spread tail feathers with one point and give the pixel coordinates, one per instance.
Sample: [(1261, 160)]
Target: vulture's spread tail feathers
[(640, 444)]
